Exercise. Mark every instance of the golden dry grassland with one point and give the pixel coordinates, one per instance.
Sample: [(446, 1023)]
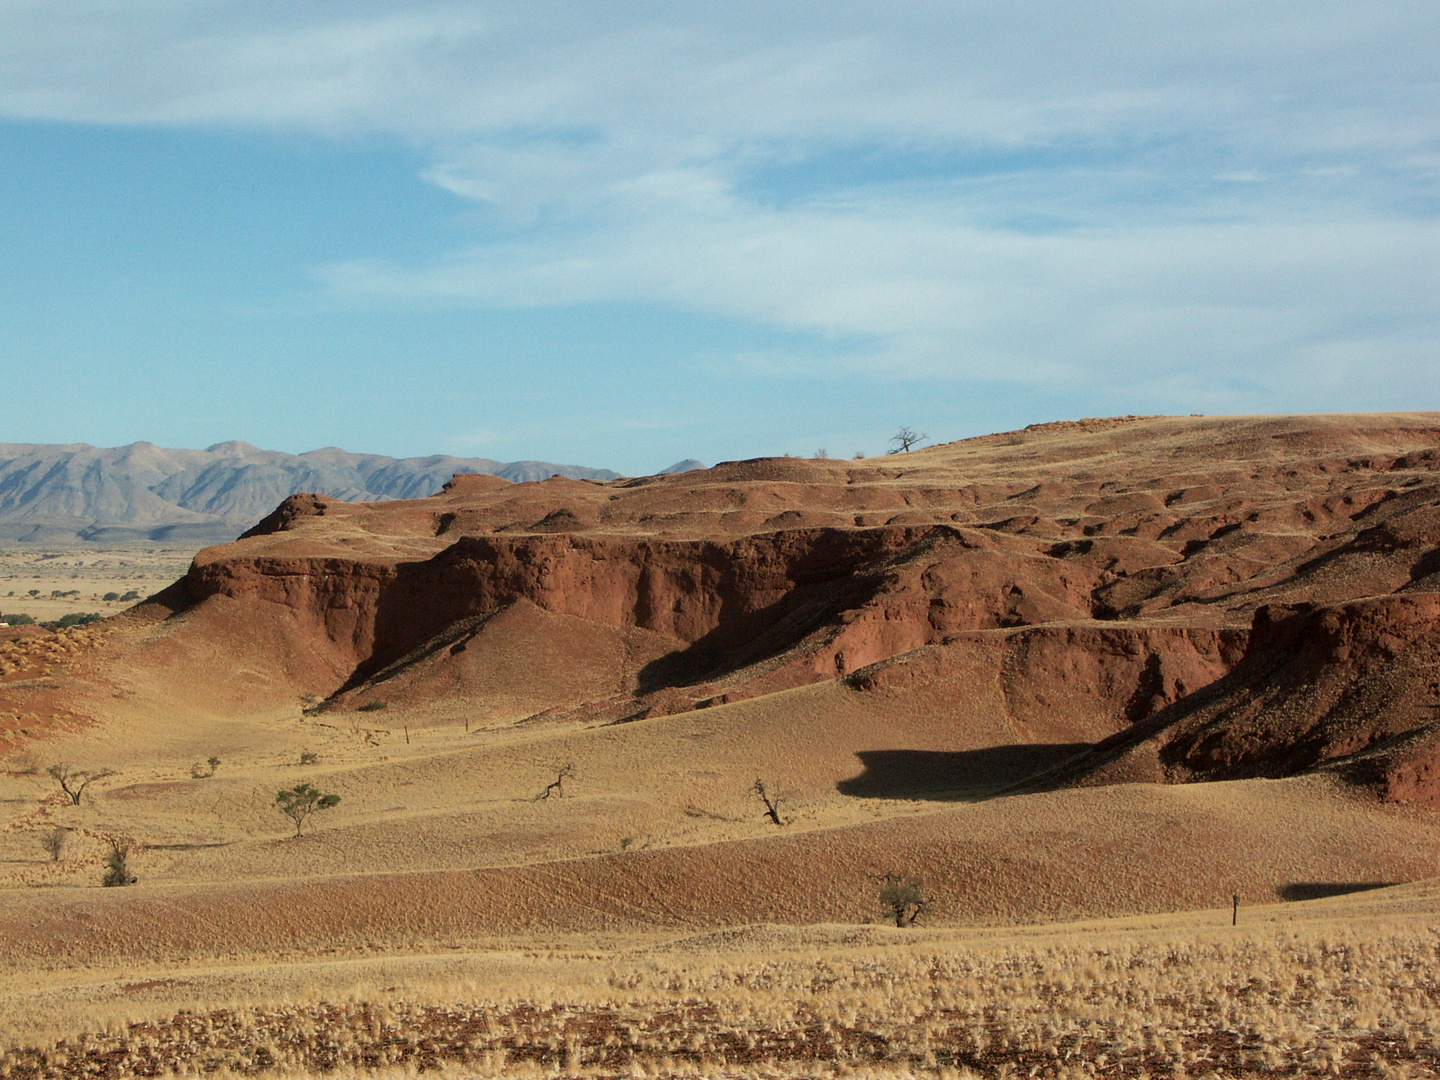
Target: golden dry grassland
[(1339, 987)]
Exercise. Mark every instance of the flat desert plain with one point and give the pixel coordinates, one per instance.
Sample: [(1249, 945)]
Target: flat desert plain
[(1079, 686), (76, 580)]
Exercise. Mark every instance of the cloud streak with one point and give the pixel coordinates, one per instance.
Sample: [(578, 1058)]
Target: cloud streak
[(1124, 195)]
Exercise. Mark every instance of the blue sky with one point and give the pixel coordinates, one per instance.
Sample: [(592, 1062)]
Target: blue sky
[(627, 233)]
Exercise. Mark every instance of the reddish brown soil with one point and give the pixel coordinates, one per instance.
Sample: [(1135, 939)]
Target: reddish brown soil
[(1137, 555), (667, 1038)]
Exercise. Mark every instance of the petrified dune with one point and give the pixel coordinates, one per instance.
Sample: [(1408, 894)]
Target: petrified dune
[(1096, 606), (1125, 563)]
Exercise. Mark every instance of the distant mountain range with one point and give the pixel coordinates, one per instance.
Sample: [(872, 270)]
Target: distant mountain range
[(146, 494)]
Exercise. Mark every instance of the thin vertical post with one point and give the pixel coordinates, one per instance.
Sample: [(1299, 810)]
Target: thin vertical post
[(1235, 912)]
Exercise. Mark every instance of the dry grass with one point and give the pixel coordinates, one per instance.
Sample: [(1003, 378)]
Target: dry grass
[(1344, 987), (88, 572)]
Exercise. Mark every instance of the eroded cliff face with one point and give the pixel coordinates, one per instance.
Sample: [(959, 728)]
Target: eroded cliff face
[(1352, 687), (1088, 577), (725, 602)]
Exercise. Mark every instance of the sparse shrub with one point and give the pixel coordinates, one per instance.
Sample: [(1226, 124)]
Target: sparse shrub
[(299, 802), (18, 619), (312, 704), (54, 842), (75, 618), (127, 596), (903, 898), (200, 772), (821, 454), (117, 863), (373, 706), (110, 597), (74, 781), (859, 455), (308, 757)]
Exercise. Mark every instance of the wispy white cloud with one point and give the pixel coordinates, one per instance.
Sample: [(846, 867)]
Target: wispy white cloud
[(1123, 193)]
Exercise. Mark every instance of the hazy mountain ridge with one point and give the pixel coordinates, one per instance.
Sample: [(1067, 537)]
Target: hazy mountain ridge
[(55, 493)]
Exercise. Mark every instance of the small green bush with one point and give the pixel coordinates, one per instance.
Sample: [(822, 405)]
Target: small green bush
[(299, 802)]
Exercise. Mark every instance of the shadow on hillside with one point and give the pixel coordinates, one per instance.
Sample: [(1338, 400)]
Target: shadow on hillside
[(832, 574), (953, 775), (1318, 890)]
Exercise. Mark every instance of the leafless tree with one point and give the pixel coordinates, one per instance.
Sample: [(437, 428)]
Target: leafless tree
[(905, 438), (74, 781), (770, 798), (557, 787)]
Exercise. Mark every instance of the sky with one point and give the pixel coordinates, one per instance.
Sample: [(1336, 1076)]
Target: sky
[(627, 233)]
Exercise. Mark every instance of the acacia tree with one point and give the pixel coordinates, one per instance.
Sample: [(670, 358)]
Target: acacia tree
[(903, 898), (299, 802), (905, 438), (74, 781)]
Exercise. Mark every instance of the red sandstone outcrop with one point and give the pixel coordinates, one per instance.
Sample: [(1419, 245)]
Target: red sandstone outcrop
[(1349, 686), (1095, 576)]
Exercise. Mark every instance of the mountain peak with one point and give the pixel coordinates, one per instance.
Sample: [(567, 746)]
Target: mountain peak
[(233, 448), (133, 492)]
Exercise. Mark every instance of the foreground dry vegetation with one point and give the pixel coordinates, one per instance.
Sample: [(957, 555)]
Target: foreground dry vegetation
[(1343, 987)]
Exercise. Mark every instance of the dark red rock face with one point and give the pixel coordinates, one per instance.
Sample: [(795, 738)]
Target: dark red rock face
[(1251, 596)]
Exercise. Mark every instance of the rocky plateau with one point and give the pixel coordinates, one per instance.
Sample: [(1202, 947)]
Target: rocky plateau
[(1124, 599)]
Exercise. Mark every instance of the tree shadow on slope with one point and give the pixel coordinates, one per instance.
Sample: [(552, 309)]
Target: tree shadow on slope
[(1319, 890), (953, 775)]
